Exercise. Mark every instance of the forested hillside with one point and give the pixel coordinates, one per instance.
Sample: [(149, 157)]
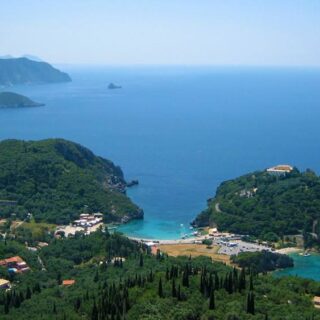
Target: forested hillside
[(265, 205), (56, 179), (116, 278)]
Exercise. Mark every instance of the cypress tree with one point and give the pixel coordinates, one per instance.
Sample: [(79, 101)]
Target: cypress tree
[(167, 274), (6, 307), (174, 290), (141, 260), (54, 309), (96, 276), (211, 300), (179, 293), (250, 303), (251, 283), (28, 293), (94, 312), (77, 304), (160, 289), (242, 280)]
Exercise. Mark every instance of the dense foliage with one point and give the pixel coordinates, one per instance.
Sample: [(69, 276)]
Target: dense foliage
[(119, 279), (267, 206), (56, 179), (25, 71), (263, 261), (14, 100)]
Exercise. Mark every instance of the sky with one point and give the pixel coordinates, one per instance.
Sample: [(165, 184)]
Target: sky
[(177, 32)]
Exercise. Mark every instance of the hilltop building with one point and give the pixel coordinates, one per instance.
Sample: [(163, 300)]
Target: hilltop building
[(280, 169)]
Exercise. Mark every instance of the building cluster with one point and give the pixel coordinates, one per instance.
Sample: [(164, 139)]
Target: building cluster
[(88, 220), (15, 265)]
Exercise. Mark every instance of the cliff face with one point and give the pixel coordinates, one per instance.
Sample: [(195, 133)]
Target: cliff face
[(56, 180), (24, 71)]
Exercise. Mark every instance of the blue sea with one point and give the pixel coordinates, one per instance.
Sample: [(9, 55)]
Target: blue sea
[(306, 267), (180, 131)]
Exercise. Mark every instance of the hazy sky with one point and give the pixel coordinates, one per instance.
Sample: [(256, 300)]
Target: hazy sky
[(245, 32)]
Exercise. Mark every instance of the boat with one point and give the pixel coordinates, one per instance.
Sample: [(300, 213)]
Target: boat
[(305, 254)]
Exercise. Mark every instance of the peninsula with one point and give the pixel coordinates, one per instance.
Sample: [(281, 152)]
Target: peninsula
[(279, 202), (15, 71), (55, 180), (14, 100)]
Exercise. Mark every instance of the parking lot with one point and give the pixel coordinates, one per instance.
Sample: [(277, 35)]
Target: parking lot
[(235, 247)]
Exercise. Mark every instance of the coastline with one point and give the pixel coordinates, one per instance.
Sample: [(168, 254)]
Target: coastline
[(177, 241)]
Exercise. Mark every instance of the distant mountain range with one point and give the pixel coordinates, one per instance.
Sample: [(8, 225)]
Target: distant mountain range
[(26, 71), (14, 100)]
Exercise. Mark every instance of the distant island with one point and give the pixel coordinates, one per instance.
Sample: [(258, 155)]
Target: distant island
[(278, 203), (15, 71), (113, 86), (14, 100), (56, 180)]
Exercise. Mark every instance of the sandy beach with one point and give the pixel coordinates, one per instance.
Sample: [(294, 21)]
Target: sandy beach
[(289, 250)]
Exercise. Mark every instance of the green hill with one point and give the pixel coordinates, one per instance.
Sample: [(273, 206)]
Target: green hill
[(265, 205), (14, 100), (24, 71), (116, 278), (56, 179)]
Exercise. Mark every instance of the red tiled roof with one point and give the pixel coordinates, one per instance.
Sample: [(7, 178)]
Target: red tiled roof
[(68, 282), (14, 259)]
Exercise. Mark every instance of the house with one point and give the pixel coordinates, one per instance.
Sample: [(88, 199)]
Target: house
[(280, 169), (4, 284), (68, 283), (316, 302), (15, 264), (42, 244)]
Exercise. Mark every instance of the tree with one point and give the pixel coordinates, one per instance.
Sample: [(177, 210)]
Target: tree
[(94, 312), (211, 300), (141, 261), (174, 290), (160, 289), (250, 303)]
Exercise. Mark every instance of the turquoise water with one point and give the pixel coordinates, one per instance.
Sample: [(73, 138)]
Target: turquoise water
[(307, 267), (179, 131)]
